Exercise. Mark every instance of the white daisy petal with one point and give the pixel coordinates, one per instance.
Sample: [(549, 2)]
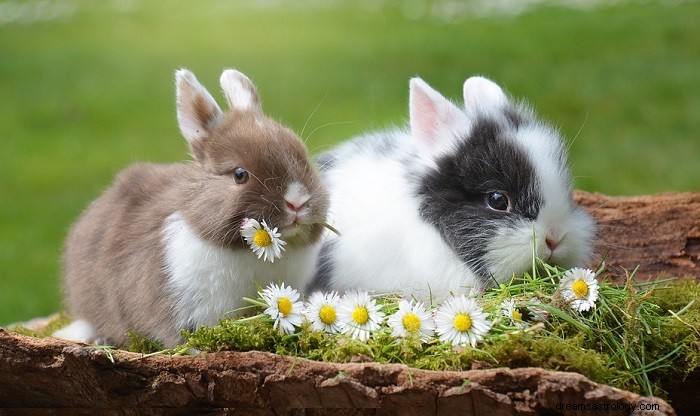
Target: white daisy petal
[(322, 312), (412, 318), (579, 288), (461, 321), (284, 307), (359, 315)]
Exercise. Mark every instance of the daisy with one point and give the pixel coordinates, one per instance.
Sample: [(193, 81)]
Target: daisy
[(359, 315), (264, 242), (322, 311), (283, 306), (579, 287), (460, 321), (412, 318), (513, 314), (536, 313)]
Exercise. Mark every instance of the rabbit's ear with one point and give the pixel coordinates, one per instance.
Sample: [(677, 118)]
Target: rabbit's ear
[(435, 121), (239, 91), (482, 96), (197, 112)]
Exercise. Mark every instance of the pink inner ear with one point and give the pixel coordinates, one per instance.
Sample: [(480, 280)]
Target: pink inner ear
[(424, 117), (197, 112)]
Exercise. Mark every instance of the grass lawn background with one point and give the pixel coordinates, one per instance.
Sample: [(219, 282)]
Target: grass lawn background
[(87, 88)]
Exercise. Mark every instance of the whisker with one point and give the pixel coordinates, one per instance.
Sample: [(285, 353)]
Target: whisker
[(310, 116), (580, 129), (329, 124)]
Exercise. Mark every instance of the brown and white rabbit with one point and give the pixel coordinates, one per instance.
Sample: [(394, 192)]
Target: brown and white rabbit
[(161, 249)]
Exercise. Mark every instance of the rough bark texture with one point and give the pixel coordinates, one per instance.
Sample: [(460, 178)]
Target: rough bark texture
[(43, 373), (659, 233)]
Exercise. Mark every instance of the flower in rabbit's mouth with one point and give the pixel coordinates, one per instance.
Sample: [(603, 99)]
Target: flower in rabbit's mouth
[(284, 307), (579, 288), (264, 242), (461, 321)]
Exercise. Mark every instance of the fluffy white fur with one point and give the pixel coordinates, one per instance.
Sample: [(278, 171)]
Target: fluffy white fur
[(207, 282), (78, 331)]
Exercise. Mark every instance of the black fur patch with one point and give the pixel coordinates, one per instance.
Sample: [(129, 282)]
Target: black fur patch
[(324, 269), (453, 197)]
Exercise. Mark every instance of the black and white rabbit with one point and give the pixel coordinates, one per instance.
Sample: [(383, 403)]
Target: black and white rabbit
[(459, 201), (162, 250)]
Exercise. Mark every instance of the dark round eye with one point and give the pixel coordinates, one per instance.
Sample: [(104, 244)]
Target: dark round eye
[(497, 201), (240, 175)]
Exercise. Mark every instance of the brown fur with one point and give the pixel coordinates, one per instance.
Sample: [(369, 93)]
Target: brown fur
[(114, 272)]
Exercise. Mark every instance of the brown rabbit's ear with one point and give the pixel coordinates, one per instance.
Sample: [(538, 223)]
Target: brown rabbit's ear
[(197, 112), (239, 91)]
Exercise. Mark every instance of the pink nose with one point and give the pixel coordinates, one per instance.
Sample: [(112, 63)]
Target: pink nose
[(551, 243), (292, 206)]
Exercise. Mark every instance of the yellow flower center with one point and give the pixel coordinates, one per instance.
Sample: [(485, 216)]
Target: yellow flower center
[(261, 238), (284, 305), (411, 322), (580, 288), (462, 322), (517, 316), (327, 314), (360, 315)]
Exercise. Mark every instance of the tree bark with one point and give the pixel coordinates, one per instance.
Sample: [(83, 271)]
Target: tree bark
[(659, 234)]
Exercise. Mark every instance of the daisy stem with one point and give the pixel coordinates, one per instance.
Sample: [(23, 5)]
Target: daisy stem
[(256, 302), (330, 227), (252, 318)]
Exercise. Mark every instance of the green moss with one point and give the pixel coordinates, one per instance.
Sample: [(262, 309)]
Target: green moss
[(233, 335), (54, 324), (141, 343)]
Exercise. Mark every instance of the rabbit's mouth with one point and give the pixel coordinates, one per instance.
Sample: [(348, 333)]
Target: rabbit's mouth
[(301, 233), (291, 230)]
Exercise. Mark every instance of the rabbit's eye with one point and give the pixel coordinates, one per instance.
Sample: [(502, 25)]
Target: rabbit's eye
[(497, 201), (240, 175)]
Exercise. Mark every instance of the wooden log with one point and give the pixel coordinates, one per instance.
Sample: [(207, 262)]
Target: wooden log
[(69, 378), (659, 234)]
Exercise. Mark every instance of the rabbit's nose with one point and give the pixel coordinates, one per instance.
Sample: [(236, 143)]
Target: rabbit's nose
[(296, 196), (552, 243)]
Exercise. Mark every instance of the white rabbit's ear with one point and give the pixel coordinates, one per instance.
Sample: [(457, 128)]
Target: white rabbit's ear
[(239, 91), (435, 121), (197, 112), (482, 96)]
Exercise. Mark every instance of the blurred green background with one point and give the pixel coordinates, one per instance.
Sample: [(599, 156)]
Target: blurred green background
[(86, 88)]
